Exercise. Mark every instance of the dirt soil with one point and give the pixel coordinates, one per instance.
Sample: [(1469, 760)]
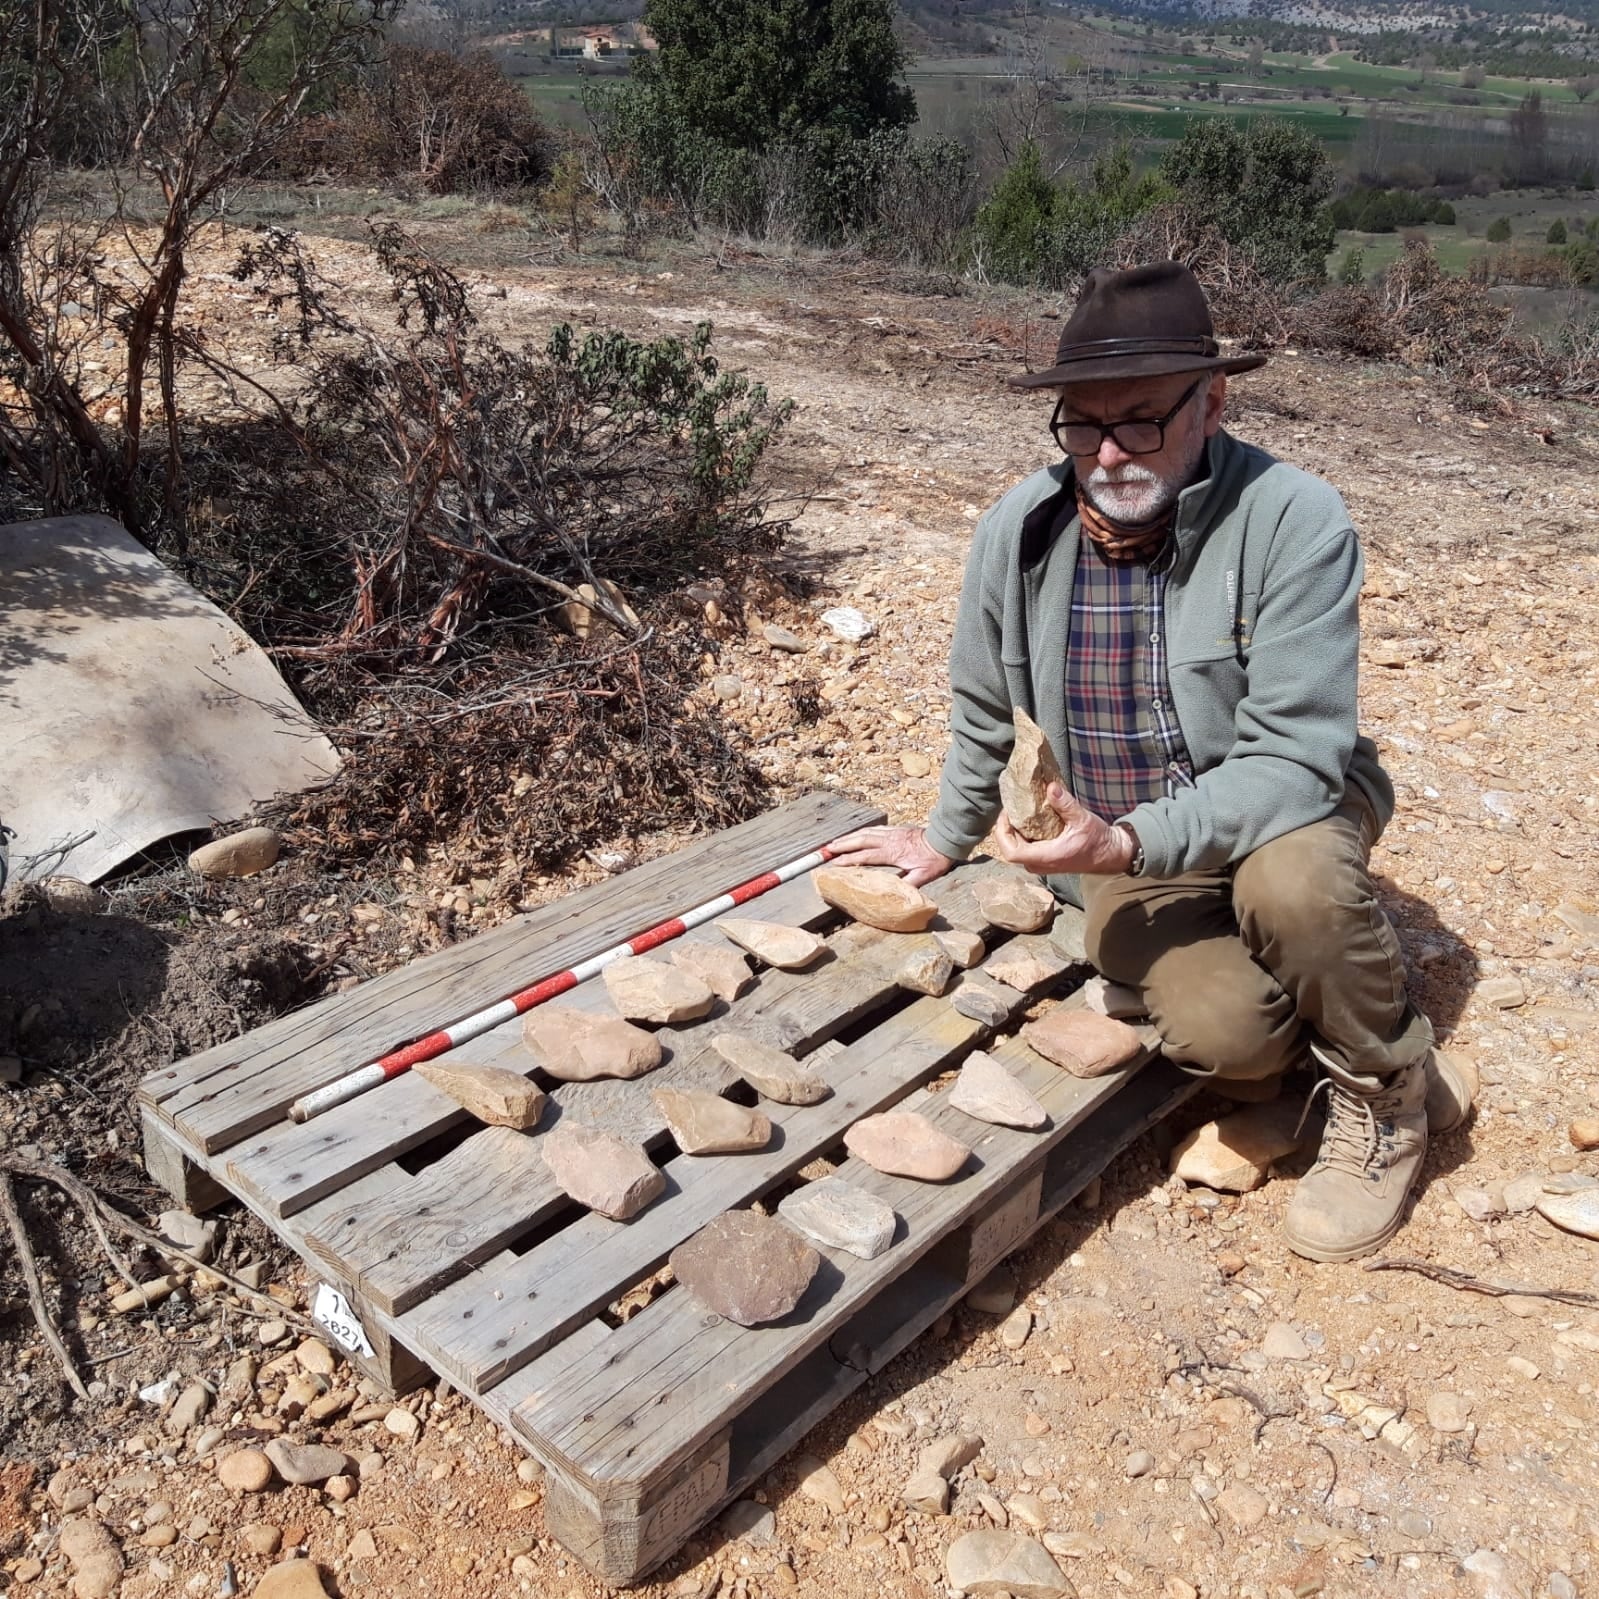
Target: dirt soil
[(1187, 1408)]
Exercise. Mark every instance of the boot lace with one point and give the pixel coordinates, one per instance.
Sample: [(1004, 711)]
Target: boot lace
[(1353, 1136)]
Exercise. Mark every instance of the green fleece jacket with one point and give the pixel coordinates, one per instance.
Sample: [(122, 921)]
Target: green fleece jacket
[(1263, 633)]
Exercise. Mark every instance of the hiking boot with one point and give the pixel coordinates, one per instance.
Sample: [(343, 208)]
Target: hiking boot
[(1452, 1084), (1352, 1200)]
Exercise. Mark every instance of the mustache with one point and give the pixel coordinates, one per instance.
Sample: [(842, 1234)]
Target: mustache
[(1117, 476)]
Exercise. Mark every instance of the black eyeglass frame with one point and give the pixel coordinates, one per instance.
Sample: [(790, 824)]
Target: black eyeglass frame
[(1112, 430)]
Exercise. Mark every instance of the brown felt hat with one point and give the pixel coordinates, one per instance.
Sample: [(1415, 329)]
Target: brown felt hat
[(1142, 323)]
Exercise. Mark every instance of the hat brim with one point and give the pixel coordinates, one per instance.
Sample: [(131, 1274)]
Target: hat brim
[(1110, 368)]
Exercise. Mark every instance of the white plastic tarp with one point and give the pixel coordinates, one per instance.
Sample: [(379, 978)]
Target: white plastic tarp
[(131, 708)]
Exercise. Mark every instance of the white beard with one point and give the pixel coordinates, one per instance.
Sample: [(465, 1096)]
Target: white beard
[(1130, 493)]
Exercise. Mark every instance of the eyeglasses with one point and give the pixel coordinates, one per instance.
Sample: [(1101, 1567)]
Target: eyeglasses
[(1139, 436)]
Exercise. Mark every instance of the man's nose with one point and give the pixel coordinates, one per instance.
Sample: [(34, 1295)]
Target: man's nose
[(1111, 454)]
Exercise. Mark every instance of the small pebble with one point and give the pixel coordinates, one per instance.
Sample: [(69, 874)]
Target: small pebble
[(1140, 1463)]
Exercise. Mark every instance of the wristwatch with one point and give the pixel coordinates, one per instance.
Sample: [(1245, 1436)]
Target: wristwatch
[(1135, 867)]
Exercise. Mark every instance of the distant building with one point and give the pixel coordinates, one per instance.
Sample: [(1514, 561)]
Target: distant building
[(602, 42)]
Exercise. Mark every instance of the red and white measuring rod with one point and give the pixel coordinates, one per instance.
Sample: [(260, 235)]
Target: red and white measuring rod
[(436, 1044)]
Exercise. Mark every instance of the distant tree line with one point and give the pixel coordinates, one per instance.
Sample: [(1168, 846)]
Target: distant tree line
[(1367, 210)]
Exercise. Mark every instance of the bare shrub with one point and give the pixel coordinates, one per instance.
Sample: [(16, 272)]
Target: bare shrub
[(449, 122)]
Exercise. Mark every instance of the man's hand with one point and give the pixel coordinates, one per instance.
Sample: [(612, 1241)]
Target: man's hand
[(904, 847), (1084, 843)]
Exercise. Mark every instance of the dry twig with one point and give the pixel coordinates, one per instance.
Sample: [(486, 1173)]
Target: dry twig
[(30, 1275), (1464, 1281)]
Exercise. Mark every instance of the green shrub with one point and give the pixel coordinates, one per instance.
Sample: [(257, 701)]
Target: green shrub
[(1352, 266), (1499, 231), (1556, 233), (1265, 185), (1012, 228)]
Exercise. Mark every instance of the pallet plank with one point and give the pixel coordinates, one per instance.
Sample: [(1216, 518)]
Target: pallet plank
[(224, 1094), (290, 1165), (481, 1330), (677, 1366), (431, 1233)]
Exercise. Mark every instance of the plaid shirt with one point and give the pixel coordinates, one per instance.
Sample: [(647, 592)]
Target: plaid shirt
[(1123, 741)]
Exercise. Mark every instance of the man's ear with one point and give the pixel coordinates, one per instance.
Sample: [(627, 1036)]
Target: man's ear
[(1215, 403)]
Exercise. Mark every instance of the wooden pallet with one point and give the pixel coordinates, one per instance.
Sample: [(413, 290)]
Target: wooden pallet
[(458, 1255)]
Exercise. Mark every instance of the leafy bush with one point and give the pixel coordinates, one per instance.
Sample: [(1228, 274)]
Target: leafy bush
[(1352, 266), (1556, 233), (1499, 230), (1012, 227), (1264, 184)]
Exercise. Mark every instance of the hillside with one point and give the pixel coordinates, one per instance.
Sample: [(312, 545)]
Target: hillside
[(1188, 1409)]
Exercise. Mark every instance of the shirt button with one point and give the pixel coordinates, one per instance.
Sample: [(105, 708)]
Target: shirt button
[(1154, 638), (1160, 705)]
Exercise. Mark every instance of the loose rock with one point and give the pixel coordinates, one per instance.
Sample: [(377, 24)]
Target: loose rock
[(1479, 1204), (1024, 784), (905, 1143), (703, 1123), (1025, 967), (849, 624), (599, 1170), (191, 1234), (963, 948), (305, 1464), (943, 1457), (191, 1405), (995, 1562), (875, 896), (495, 1095), (926, 971), (646, 990), (1139, 1463), (1014, 901), (291, 1579), (239, 855), (769, 1071), (781, 639), (1282, 1342), (788, 948), (95, 1556), (927, 1492), (401, 1422), (1120, 1003), (1504, 993), (575, 1047), (986, 1091), (995, 1295), (752, 1522), (747, 1267), (982, 1001), (1235, 1154), (244, 1471), (1584, 1133), (1448, 1412), (838, 1215), (1244, 1506), (819, 1484), (1575, 1213), (726, 972), (1016, 1327), (1083, 1043)]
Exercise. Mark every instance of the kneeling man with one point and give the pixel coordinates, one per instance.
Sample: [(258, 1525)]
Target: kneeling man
[(1179, 612)]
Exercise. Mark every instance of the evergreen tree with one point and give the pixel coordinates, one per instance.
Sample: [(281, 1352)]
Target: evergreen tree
[(749, 73)]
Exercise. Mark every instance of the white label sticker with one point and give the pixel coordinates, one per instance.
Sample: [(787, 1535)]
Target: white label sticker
[(332, 1310)]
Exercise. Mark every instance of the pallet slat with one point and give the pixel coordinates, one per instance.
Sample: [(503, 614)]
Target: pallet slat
[(224, 1094), (654, 1393)]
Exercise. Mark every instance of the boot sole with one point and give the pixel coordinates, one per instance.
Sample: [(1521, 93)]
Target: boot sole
[(1338, 1257)]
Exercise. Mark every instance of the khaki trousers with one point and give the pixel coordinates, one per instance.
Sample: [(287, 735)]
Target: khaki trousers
[(1242, 968)]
